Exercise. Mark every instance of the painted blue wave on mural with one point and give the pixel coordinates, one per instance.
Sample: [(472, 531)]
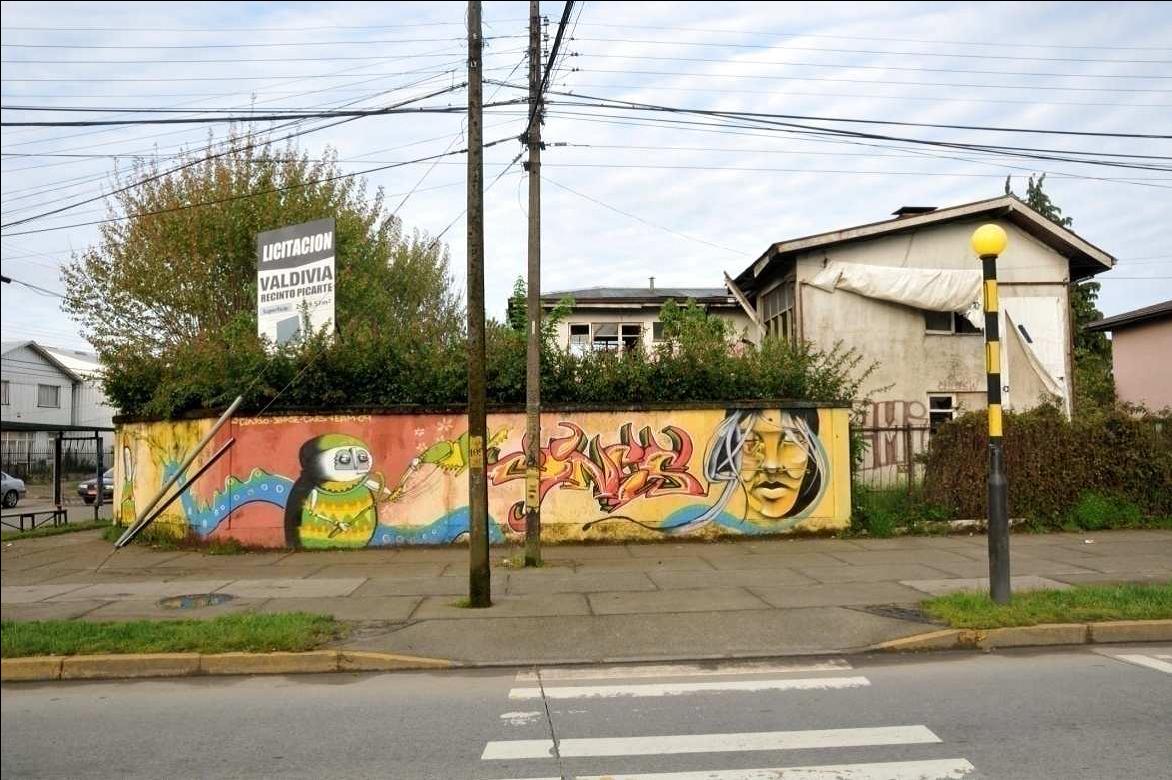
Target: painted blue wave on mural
[(260, 486), (445, 530)]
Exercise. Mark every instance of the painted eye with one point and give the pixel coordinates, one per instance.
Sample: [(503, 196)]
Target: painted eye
[(362, 456), (342, 458)]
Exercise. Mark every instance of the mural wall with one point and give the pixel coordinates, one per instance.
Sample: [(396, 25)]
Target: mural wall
[(342, 481)]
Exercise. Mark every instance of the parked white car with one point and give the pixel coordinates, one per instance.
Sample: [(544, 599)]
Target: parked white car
[(11, 489)]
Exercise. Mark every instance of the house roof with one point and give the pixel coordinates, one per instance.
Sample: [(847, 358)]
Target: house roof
[(48, 356), (82, 363), (1086, 259), (634, 295), (1156, 311)]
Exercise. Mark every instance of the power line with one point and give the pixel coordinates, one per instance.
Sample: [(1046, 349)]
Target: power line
[(456, 40), (535, 109), (313, 28), (979, 55), (237, 77), (937, 42)]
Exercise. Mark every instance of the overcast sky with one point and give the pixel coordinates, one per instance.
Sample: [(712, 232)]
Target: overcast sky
[(629, 194)]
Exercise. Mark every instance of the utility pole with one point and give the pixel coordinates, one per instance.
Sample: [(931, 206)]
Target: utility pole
[(479, 572), (533, 354)]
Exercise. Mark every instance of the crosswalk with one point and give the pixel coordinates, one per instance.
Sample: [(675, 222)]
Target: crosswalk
[(1160, 661), (609, 692)]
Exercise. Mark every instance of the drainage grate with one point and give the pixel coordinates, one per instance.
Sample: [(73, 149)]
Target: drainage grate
[(195, 600), (896, 611)]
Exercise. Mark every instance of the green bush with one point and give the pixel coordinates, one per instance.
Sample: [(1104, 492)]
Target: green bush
[(1103, 460), (884, 512), (1095, 511)]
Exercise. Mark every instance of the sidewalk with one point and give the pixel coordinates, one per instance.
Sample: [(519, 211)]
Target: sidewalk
[(589, 603)]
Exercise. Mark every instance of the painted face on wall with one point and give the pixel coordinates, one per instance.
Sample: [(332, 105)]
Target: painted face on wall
[(774, 460), (344, 464)]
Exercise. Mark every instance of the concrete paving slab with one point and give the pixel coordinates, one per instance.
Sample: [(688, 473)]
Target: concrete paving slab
[(1117, 578), (664, 601), (421, 586), (139, 591), (643, 564), (775, 561), (387, 568), (503, 605), (35, 577), (30, 594), (687, 580), (1111, 564), (884, 572), (843, 594), (1018, 564), (319, 558), (541, 581), (708, 550), (50, 610), (621, 638), (940, 587), (791, 546), (945, 543), (150, 610), (388, 608), (877, 557), (585, 552), (292, 588)]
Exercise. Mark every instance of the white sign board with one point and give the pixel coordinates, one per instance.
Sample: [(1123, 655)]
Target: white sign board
[(294, 277)]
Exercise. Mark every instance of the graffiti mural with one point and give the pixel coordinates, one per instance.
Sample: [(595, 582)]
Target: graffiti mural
[(346, 481)]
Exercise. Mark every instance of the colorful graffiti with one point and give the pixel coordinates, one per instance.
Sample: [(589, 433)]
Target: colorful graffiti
[(615, 474), (356, 481)]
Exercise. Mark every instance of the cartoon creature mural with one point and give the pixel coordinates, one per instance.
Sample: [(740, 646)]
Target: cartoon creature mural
[(126, 508), (332, 502)]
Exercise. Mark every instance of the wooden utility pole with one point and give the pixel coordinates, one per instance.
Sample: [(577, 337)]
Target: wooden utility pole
[(479, 572), (533, 356)]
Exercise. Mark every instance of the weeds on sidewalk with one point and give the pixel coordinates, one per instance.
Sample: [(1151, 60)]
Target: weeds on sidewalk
[(1082, 604), (292, 631), (55, 530), (163, 539)]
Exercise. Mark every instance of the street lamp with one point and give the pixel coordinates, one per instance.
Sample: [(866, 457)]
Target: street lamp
[(988, 242)]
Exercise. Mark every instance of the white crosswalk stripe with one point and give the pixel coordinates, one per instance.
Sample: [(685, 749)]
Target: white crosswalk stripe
[(946, 769), (1162, 663), (741, 678), (677, 744), (676, 689), (631, 672)]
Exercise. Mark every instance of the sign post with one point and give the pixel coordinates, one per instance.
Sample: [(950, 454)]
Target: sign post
[(295, 280)]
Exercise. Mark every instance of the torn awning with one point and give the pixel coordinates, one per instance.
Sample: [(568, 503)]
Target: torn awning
[(933, 289)]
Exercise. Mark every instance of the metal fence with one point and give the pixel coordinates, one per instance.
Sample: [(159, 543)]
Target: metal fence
[(891, 455), (34, 464)]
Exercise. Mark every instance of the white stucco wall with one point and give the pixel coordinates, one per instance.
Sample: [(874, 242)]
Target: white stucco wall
[(913, 363), (636, 314)]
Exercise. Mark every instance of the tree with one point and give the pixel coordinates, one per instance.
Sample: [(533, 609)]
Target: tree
[(1093, 379), (176, 265), (516, 313)]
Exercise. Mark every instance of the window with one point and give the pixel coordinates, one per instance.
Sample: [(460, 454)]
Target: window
[(631, 335), (657, 331), (4, 393), (49, 396), (777, 311), (947, 322), (941, 409), (579, 338), (605, 335)]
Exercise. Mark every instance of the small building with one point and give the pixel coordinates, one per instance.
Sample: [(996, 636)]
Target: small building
[(907, 294), (620, 317), (42, 387), (1141, 352)]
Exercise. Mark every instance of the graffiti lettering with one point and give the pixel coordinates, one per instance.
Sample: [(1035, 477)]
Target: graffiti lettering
[(616, 474)]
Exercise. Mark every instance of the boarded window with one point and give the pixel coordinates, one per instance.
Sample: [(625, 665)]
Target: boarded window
[(49, 396), (777, 310)]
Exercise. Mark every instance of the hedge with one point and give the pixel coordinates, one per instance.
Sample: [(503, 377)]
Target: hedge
[(1054, 464)]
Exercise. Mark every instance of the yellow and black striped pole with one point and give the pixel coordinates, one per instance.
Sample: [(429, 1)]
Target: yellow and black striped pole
[(988, 242)]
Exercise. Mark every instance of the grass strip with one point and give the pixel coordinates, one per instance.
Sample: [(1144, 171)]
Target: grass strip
[(291, 631), (54, 530), (1081, 604)]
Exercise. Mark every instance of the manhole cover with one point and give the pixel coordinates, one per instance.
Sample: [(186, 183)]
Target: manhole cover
[(195, 600), (896, 611)]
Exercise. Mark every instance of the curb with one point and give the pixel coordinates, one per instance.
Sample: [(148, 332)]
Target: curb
[(147, 665), (1046, 634)]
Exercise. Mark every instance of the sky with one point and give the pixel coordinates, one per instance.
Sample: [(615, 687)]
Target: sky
[(626, 194)]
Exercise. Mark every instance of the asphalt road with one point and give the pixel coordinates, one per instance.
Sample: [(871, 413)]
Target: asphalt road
[(1070, 714)]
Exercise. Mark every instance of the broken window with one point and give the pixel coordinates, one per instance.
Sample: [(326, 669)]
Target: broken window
[(605, 335), (947, 322), (657, 331), (777, 311), (579, 338), (631, 335), (941, 409)]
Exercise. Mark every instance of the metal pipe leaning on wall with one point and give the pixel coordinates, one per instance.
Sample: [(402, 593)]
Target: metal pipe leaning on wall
[(141, 521)]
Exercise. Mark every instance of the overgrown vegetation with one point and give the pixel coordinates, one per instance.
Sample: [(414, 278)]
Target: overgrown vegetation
[(291, 632), (166, 537), (55, 530), (885, 512), (1080, 604), (1102, 469)]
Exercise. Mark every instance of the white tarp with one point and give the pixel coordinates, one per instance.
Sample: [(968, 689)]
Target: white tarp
[(1036, 322), (934, 289)]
